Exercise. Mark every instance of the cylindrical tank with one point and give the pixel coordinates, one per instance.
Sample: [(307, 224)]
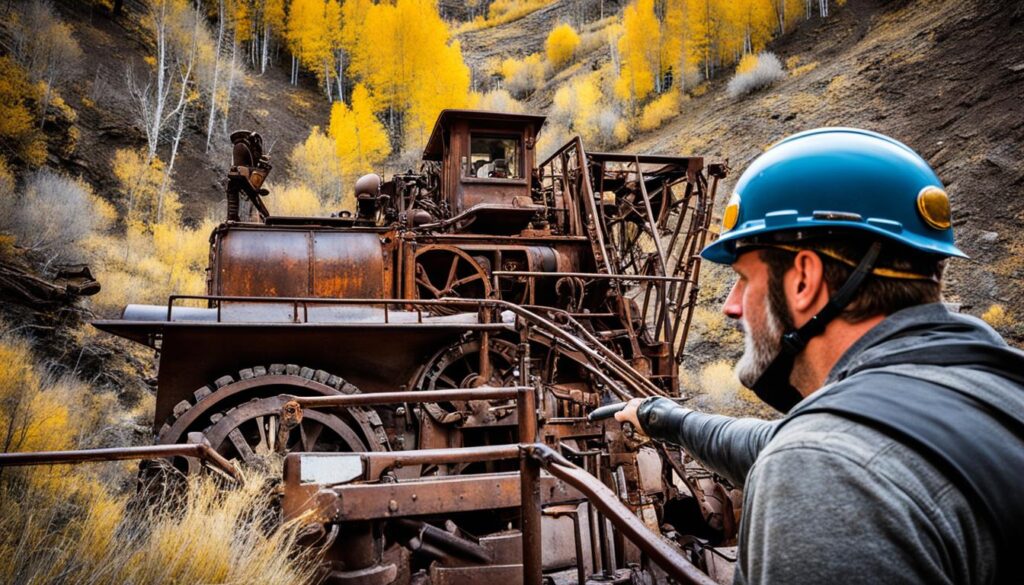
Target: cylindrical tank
[(297, 261)]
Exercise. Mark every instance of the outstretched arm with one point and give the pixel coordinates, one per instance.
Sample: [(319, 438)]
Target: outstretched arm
[(726, 445)]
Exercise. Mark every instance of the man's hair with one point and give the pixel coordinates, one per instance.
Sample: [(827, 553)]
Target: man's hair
[(878, 295)]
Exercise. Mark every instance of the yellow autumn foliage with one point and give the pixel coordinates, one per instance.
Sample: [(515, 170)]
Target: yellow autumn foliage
[(147, 263), (314, 164), (20, 137), (413, 71), (998, 317), (523, 76), (582, 107), (502, 12), (560, 46), (747, 63), (639, 46), (359, 138), (298, 200), (69, 524), (659, 110), (141, 185)]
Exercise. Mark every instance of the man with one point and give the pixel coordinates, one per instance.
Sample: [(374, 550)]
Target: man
[(898, 457)]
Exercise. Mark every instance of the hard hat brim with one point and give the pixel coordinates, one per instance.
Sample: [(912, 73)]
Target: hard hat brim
[(723, 250)]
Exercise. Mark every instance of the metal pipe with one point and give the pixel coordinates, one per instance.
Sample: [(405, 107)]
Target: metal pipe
[(424, 396), (599, 495), (201, 451), (529, 471), (449, 543), (378, 459), (637, 277)]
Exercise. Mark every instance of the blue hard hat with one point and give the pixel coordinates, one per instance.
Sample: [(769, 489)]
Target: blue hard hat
[(837, 180)]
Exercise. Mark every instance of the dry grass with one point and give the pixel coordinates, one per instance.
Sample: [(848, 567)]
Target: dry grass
[(74, 524), (998, 317), (718, 390), (503, 12), (66, 527)]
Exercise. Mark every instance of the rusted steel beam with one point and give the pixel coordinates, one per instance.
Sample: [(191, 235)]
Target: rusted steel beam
[(420, 497), (529, 472), (423, 396), (201, 451), (379, 461), (605, 500), (595, 275)]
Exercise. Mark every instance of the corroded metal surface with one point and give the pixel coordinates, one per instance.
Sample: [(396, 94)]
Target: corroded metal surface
[(397, 354)]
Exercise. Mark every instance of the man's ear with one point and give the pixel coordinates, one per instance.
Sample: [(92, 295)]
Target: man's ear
[(806, 289)]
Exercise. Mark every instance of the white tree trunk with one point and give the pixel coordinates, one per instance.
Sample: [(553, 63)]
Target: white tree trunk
[(265, 52), (216, 74), (231, 81)]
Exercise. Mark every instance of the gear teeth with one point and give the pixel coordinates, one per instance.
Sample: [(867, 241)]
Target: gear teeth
[(334, 381), (223, 381), (181, 408), (347, 388), (277, 369), (215, 417), (202, 393), (259, 371), (291, 370), (306, 373), (245, 374), (321, 376), (163, 430)]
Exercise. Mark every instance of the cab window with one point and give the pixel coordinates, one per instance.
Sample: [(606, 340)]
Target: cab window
[(494, 157)]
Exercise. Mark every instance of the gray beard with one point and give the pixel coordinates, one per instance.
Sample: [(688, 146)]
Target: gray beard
[(760, 347)]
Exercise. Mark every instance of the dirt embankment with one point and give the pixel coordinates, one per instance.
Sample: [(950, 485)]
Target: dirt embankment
[(944, 76)]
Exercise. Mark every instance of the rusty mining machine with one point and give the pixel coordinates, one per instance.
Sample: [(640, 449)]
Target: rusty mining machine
[(427, 362)]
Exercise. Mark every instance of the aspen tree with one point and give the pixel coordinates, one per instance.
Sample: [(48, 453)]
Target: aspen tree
[(414, 71), (315, 164), (639, 47), (20, 138), (273, 26), (561, 45), (46, 47), (360, 140), (211, 115)]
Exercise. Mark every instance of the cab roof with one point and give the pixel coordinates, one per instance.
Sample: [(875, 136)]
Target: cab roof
[(435, 146)]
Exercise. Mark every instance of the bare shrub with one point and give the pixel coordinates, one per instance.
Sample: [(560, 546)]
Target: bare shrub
[(500, 100), (55, 213), (767, 72), (523, 77)]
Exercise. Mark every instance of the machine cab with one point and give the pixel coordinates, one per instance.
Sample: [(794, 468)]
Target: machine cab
[(487, 161)]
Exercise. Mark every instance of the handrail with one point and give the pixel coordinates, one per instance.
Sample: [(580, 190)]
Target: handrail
[(604, 499), (201, 451), (594, 275)]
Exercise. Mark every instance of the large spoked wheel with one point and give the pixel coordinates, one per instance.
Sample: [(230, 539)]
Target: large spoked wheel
[(459, 366), (448, 272), (252, 434), (240, 418)]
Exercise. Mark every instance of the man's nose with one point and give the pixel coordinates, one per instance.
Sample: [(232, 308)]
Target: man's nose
[(733, 307)]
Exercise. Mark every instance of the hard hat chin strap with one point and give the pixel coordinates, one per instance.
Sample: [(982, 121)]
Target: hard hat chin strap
[(773, 387)]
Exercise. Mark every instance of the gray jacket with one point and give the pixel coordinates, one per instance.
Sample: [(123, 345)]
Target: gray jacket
[(827, 499)]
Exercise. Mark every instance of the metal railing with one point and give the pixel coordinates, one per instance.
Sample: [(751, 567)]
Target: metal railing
[(199, 448), (533, 457)]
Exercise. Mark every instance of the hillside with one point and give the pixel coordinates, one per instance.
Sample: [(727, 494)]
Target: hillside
[(945, 77)]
